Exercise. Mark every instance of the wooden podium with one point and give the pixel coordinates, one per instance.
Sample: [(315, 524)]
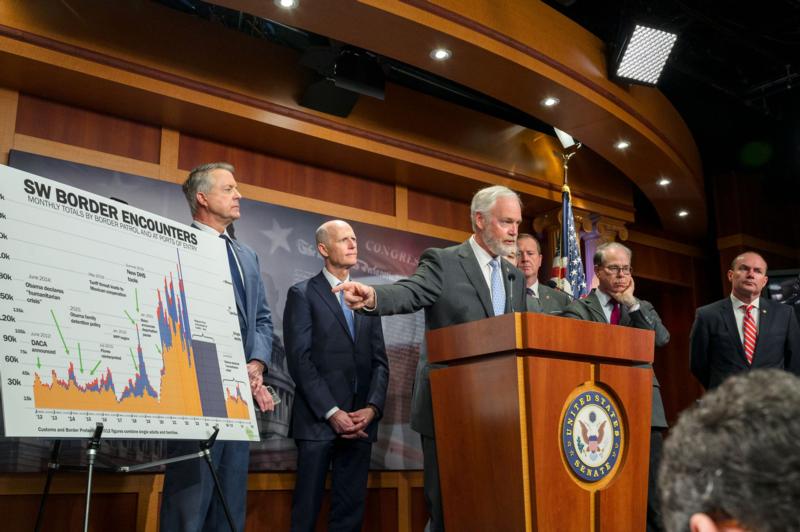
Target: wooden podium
[(503, 411)]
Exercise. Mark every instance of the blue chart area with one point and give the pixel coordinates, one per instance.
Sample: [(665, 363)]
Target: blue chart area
[(209, 379), (104, 319)]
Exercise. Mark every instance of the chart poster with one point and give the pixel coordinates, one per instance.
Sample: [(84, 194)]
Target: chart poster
[(112, 314)]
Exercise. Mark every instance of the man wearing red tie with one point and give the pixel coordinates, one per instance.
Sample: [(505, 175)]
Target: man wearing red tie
[(744, 330), (613, 302)]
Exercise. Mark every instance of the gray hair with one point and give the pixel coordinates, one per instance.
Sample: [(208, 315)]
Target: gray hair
[(322, 235), (734, 455), (199, 180), (483, 201), (599, 258)]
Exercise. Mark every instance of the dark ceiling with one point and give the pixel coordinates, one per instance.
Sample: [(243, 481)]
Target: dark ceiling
[(734, 74)]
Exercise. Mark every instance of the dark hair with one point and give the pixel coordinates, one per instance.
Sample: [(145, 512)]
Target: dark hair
[(734, 455), (528, 235)]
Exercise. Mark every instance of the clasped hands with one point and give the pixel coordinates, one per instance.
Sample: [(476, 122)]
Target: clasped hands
[(255, 372), (351, 425)]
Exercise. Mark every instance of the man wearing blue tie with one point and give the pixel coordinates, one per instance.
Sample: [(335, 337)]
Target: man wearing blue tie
[(338, 362), (189, 503), (466, 282)]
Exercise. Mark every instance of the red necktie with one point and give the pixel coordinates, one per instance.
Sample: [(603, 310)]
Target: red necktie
[(615, 314), (749, 332)]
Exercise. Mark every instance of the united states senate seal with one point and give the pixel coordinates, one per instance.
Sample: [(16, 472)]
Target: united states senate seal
[(592, 434)]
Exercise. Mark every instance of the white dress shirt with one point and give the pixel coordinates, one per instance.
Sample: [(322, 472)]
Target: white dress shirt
[(738, 314), (484, 261)]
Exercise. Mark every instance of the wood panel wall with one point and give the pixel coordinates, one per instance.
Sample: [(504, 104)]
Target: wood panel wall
[(124, 503), (62, 131)]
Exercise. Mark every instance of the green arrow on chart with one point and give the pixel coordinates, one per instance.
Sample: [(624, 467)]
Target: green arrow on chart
[(80, 357), (158, 348), (135, 365), (59, 331), (38, 363), (129, 317), (95, 367), (136, 293)]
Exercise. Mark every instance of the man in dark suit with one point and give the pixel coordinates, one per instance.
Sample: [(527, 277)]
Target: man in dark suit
[(539, 297), (189, 502), (338, 362), (466, 282), (613, 302), (744, 331)]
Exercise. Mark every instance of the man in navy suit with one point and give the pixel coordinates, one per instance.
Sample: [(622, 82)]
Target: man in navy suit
[(466, 282), (338, 362), (724, 343), (189, 502), (539, 297)]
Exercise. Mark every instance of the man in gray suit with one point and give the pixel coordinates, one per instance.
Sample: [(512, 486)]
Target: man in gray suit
[(613, 302), (539, 297), (466, 282)]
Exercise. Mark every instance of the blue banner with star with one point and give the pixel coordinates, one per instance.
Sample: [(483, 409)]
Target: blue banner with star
[(284, 241)]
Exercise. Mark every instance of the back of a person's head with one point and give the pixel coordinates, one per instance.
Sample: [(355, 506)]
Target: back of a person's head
[(735, 457)]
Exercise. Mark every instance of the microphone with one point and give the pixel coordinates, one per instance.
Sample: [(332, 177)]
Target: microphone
[(511, 278), (552, 284)]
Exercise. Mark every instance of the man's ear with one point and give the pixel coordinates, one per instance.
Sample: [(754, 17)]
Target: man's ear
[(322, 250), (480, 221), (201, 199), (703, 523)]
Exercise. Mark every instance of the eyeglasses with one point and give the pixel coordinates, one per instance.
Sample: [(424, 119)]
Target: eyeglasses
[(616, 270)]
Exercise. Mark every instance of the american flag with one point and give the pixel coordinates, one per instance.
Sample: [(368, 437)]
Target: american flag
[(567, 264)]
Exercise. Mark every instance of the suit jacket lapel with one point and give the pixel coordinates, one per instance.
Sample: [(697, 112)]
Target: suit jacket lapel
[(473, 271), (322, 287), (247, 290), (765, 323), (237, 250), (726, 310), (594, 306)]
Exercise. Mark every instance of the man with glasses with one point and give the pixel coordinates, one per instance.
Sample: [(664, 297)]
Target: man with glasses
[(613, 302)]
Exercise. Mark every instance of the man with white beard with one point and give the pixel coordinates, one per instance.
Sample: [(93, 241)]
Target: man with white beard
[(466, 282)]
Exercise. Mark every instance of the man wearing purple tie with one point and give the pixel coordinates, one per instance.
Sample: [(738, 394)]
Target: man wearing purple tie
[(744, 331)]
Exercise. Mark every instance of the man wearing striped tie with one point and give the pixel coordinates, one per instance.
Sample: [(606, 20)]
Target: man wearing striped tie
[(744, 330)]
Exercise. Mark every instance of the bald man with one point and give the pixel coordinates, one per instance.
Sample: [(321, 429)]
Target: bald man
[(744, 331)]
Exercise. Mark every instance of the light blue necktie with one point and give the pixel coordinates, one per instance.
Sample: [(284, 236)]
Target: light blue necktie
[(498, 290), (348, 315)]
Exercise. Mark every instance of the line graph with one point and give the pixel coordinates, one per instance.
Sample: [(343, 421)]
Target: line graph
[(103, 319)]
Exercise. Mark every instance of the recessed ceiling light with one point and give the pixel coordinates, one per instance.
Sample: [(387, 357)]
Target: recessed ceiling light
[(441, 54), (664, 181), (683, 213), (550, 101), (622, 145), (286, 4)]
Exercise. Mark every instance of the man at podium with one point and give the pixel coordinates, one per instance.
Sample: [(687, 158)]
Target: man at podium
[(613, 302), (467, 282)]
